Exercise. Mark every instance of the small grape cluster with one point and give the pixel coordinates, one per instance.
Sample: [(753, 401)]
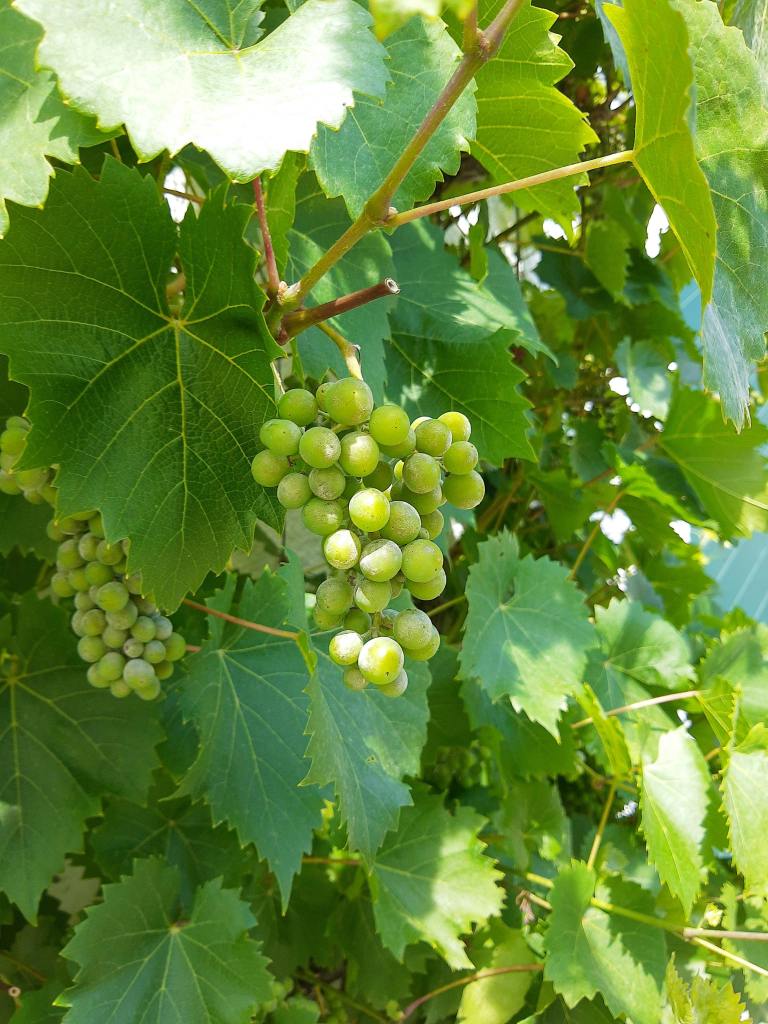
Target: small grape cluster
[(370, 483), (35, 484)]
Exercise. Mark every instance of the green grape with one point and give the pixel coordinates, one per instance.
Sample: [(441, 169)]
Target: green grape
[(412, 628), (458, 424), (433, 523), (345, 647), (54, 531), (423, 503), (281, 437), (163, 627), (31, 479), (403, 524), (87, 546), (120, 689), (83, 602), (397, 586), (327, 483), (319, 447), (76, 623), (402, 450), (9, 486), (67, 555), (94, 622), (334, 596), (354, 679), (109, 554), (381, 477), (369, 510), (96, 526), (7, 461), (294, 491), (111, 666), (380, 660), (77, 579), (325, 620), (269, 469), (342, 549), (357, 620), (91, 648), (298, 405), (114, 638), (138, 672), (433, 438), (359, 454), (60, 585), (397, 687), (460, 458), (94, 676), (381, 560), (113, 597), (322, 393), (323, 517), (175, 647), (33, 497), (466, 491), (133, 648), (82, 518), (371, 596), (154, 652), (133, 582), (144, 629), (18, 421), (125, 617), (149, 692), (97, 574), (69, 525), (49, 493), (423, 652), (431, 589), (349, 402), (421, 473), (164, 670), (389, 425), (13, 440), (421, 561)]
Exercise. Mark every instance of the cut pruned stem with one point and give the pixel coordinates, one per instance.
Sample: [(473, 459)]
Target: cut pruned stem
[(491, 972), (299, 320), (271, 630), (273, 278), (664, 698), (349, 352)]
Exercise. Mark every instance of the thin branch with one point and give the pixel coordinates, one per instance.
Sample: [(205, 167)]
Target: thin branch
[(193, 649), (301, 319), (593, 533), (601, 825), (349, 352), (185, 195), (271, 630), (352, 862), (510, 186), (273, 278), (491, 972), (447, 604), (727, 955), (719, 933), (665, 698)]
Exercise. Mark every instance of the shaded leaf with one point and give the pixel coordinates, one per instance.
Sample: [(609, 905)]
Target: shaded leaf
[(494, 1000), (746, 805)]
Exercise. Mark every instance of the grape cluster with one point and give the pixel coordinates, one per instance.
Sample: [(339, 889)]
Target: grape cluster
[(370, 483), (35, 484)]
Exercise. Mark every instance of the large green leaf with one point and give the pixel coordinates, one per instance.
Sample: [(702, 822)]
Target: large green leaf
[(702, 1001), (431, 880), (727, 471), (527, 630), (123, 61), (34, 123), (746, 803), (590, 951), (143, 956), (493, 1000), (642, 646), (245, 696), (525, 125), (751, 16), (152, 418), (353, 161), (63, 745), (454, 353)]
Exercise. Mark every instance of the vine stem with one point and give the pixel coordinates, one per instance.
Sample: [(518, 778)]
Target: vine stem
[(601, 825), (301, 319), (665, 698), (447, 604), (271, 630), (593, 534), (184, 195), (273, 278), (349, 352), (491, 972)]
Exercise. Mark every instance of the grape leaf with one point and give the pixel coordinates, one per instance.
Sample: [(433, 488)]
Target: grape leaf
[(430, 880), (455, 354), (525, 125), (353, 161), (494, 1000), (590, 951), (645, 365), (364, 743), (152, 418), (702, 1000), (245, 696), (143, 956), (615, 754), (606, 253), (527, 631), (63, 744), (746, 804), (641, 646), (726, 471), (663, 150), (122, 63), (34, 122), (751, 16), (674, 800)]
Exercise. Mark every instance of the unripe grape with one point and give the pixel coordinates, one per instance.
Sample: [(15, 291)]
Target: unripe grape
[(403, 524), (144, 629), (424, 503), (175, 647), (381, 560), (357, 620), (426, 650), (111, 666), (76, 623), (412, 628), (389, 425), (380, 478), (323, 517), (319, 447), (369, 509), (334, 596), (91, 648), (421, 560), (381, 660), (431, 589), (281, 437), (96, 526), (49, 493), (433, 523), (125, 617), (324, 620), (397, 687), (460, 458), (113, 597), (20, 422), (421, 473), (322, 393), (345, 647), (114, 638), (402, 450), (94, 622), (13, 439), (354, 679), (458, 424), (371, 596), (94, 676), (133, 582), (163, 627), (269, 469), (120, 689), (87, 546), (359, 454), (97, 574), (77, 579), (349, 402), (67, 555), (133, 648), (34, 497), (149, 692), (109, 554), (68, 525), (397, 586), (154, 652), (61, 586), (82, 517), (433, 438), (9, 486), (342, 549), (164, 670), (465, 491), (298, 405), (138, 672), (294, 491), (31, 479), (327, 483), (83, 602)]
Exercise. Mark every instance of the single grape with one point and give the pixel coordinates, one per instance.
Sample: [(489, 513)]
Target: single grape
[(175, 647), (431, 589), (133, 582), (111, 666), (83, 517), (91, 648), (281, 437), (369, 510), (114, 638), (269, 469), (334, 596), (125, 617), (323, 517), (163, 627), (149, 692), (120, 689), (94, 676), (113, 597), (67, 555), (69, 525), (423, 503), (380, 660), (403, 524), (18, 421), (371, 596), (298, 405), (49, 493), (354, 679), (466, 491), (319, 447), (94, 622), (322, 393), (327, 483), (133, 648), (86, 546), (34, 497), (138, 672), (96, 526), (13, 439), (381, 477), (349, 402), (345, 647), (109, 554), (9, 486), (357, 620), (381, 560), (294, 491), (60, 585), (421, 560), (412, 628), (97, 574), (164, 670), (83, 602), (144, 629), (32, 479), (421, 473), (397, 687), (77, 579), (389, 425), (458, 424), (433, 523), (433, 437), (76, 623), (342, 549), (460, 458), (402, 450), (154, 652), (324, 620), (427, 650), (359, 454)]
